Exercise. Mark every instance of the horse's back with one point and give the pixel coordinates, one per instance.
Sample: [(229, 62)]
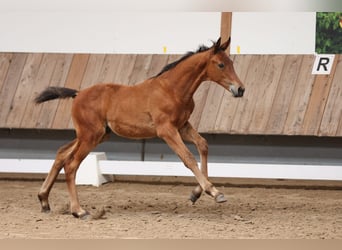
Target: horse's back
[(125, 109), (92, 103)]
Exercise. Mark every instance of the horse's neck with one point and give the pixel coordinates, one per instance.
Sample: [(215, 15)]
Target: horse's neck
[(186, 77)]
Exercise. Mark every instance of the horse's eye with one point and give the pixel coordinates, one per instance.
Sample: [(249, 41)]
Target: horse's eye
[(221, 65)]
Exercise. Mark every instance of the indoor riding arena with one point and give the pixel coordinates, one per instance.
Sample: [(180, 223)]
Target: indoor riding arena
[(274, 142)]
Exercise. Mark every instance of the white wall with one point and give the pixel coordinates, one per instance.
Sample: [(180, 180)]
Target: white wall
[(107, 32), (31, 29), (273, 32)]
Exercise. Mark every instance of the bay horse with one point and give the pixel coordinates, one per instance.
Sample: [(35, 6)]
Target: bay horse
[(158, 107)]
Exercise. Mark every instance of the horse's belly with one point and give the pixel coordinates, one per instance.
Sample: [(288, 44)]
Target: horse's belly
[(134, 130)]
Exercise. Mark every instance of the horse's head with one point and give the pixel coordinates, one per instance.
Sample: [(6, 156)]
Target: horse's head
[(221, 70)]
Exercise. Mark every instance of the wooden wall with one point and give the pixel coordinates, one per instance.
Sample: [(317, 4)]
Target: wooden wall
[(282, 96)]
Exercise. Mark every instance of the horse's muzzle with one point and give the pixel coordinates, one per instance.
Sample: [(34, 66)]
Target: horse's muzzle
[(240, 93), (237, 92)]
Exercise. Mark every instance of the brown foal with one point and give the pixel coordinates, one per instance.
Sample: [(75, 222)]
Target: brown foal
[(159, 106)]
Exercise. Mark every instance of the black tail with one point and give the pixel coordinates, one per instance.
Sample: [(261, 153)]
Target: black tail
[(52, 93)]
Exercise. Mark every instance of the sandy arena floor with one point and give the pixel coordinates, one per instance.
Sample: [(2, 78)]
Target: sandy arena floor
[(135, 210)]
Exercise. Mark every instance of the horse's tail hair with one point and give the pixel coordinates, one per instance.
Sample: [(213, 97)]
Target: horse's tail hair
[(52, 93)]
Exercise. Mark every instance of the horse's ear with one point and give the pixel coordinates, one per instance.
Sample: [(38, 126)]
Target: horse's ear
[(217, 45), (225, 45)]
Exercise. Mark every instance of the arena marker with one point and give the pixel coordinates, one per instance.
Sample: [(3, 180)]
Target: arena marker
[(323, 64), (89, 172)]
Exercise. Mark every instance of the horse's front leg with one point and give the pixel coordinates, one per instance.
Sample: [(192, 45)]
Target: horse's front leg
[(172, 137), (188, 133)]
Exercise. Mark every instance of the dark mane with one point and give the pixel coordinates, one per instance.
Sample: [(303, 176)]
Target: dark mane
[(169, 66)]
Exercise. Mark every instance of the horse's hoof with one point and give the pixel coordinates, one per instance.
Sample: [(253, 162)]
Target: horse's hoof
[(86, 216), (83, 216), (220, 198), (44, 204), (46, 209), (194, 197)]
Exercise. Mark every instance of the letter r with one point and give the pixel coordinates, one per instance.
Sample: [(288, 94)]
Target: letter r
[(323, 61)]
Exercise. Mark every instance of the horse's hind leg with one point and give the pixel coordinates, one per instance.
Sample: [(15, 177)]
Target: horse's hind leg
[(69, 157), (61, 157), (81, 151), (87, 139)]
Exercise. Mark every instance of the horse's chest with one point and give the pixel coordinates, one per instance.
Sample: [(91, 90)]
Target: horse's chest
[(180, 114)]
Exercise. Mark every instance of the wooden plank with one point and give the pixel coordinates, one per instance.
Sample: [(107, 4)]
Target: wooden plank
[(285, 88), (109, 68), (317, 102), (200, 98), (267, 90), (157, 64), (93, 70), (300, 99), (5, 61), (125, 68), (140, 70), (245, 109), (31, 116), (333, 109), (211, 108), (10, 85), (22, 96), (339, 129), (229, 104), (74, 79), (60, 73)]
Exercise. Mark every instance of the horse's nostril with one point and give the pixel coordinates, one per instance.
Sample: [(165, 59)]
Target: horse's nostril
[(241, 91)]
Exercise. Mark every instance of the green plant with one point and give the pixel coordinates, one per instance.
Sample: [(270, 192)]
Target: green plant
[(328, 33)]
